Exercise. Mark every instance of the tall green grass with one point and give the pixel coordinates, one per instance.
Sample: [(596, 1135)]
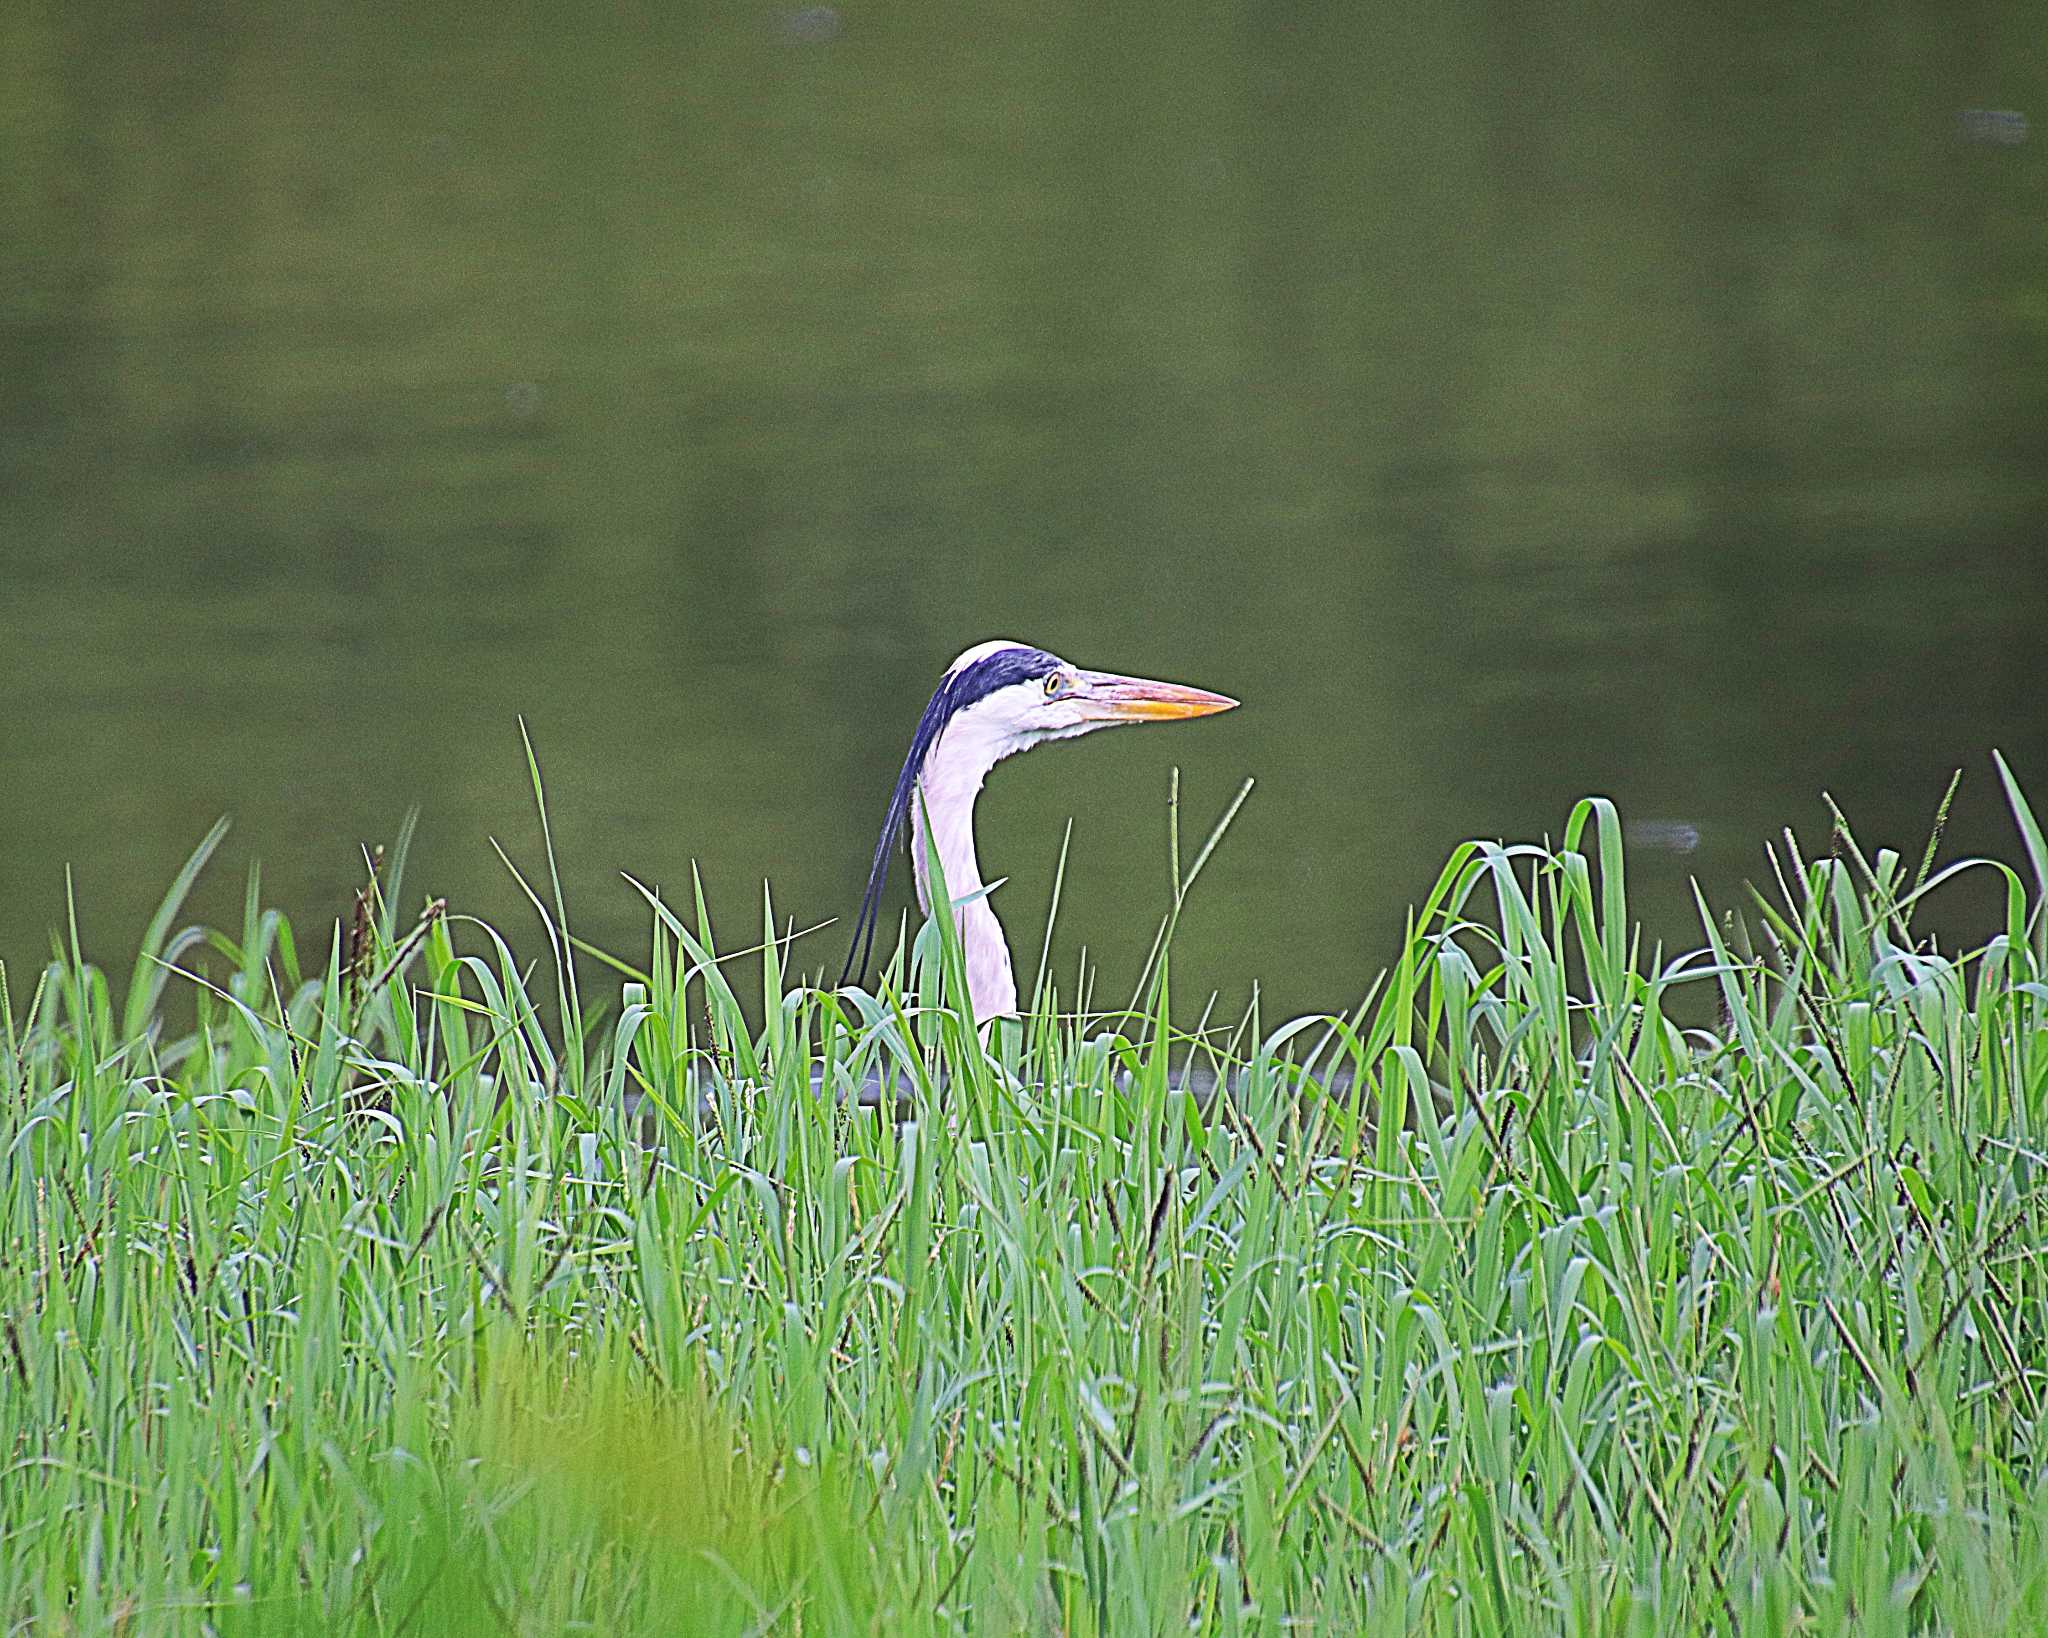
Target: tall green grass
[(414, 1290)]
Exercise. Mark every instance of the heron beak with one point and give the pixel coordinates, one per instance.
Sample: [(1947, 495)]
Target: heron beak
[(1138, 699)]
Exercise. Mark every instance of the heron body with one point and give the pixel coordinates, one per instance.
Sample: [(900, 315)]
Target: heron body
[(995, 700)]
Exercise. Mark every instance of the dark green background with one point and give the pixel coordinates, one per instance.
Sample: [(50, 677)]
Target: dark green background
[(1508, 402)]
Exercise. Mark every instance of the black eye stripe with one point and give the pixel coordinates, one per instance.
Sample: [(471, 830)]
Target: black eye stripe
[(998, 670)]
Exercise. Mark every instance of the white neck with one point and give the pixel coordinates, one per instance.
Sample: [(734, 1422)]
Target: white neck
[(952, 777)]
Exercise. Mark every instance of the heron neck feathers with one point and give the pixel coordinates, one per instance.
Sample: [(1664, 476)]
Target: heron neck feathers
[(951, 780)]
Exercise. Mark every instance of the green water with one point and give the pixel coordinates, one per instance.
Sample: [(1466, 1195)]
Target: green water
[(1505, 404)]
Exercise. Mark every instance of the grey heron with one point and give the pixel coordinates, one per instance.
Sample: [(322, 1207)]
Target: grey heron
[(995, 700)]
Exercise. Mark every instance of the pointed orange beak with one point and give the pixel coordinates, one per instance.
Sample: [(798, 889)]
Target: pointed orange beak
[(1138, 699)]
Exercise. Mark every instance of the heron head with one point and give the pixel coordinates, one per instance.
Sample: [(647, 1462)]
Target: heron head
[(1009, 696), (1002, 697)]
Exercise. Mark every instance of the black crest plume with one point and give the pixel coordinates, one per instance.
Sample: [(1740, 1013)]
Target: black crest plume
[(957, 690)]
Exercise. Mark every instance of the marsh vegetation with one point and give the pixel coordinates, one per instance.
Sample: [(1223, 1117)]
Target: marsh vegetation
[(408, 1286)]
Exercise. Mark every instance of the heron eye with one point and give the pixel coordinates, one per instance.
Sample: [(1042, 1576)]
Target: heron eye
[(1055, 685)]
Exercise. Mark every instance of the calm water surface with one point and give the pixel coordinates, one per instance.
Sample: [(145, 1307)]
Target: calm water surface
[(1657, 408)]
